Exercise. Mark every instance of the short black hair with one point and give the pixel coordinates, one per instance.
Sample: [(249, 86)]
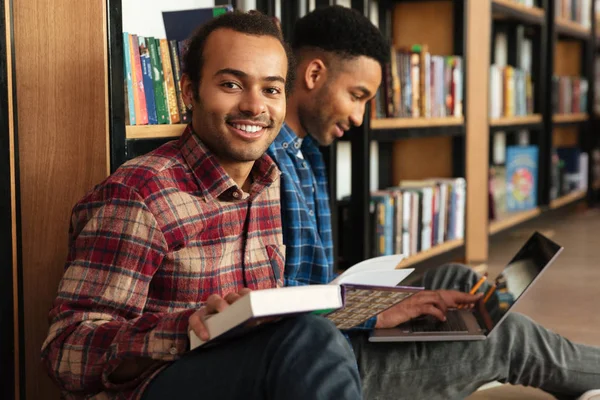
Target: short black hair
[(343, 31), (254, 23)]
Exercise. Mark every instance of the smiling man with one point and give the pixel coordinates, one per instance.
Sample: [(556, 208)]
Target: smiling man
[(183, 232)]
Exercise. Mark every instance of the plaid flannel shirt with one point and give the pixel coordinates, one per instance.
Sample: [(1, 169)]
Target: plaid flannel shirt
[(146, 248), (307, 231)]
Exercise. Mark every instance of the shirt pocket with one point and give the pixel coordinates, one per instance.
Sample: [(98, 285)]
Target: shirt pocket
[(276, 257)]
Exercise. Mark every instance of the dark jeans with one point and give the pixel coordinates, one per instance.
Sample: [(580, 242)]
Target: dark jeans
[(519, 352), (298, 358)]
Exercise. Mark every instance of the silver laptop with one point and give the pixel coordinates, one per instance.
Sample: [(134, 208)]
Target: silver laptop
[(480, 321)]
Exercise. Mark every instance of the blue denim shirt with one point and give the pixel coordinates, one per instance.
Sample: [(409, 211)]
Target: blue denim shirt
[(306, 216)]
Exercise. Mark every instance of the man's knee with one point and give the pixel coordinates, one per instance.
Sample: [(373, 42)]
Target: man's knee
[(313, 333)]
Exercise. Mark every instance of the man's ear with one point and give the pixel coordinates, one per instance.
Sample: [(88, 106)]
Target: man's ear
[(315, 73), (187, 90)]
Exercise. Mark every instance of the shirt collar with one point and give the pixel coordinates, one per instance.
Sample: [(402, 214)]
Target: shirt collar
[(212, 179), (289, 141)]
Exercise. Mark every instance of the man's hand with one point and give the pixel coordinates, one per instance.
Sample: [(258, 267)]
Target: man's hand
[(427, 302), (214, 304)]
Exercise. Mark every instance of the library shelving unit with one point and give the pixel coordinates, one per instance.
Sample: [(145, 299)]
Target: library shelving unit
[(571, 48), (519, 24), (560, 47)]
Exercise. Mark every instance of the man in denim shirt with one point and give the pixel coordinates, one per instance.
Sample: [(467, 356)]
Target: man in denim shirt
[(340, 56)]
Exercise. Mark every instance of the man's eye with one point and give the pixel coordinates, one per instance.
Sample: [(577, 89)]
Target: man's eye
[(231, 85), (273, 90)]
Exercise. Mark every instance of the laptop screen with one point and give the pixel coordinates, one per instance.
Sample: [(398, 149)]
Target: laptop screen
[(525, 267)]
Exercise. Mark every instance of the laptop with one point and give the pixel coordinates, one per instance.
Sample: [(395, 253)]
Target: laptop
[(479, 322)]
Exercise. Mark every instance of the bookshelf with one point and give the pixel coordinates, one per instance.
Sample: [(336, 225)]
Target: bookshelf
[(513, 219), (432, 252), (567, 199), (408, 123), (569, 118), (153, 131)]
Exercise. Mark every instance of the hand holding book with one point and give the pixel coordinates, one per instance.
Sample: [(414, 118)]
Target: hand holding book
[(214, 304)]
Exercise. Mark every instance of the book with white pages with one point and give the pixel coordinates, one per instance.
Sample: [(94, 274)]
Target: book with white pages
[(361, 292)]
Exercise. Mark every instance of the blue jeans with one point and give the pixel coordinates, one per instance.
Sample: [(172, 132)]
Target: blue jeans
[(297, 358), (519, 352)]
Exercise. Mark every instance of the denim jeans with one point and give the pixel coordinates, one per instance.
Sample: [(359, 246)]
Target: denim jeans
[(519, 352), (297, 358)]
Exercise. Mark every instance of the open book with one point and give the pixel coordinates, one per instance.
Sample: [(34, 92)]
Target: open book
[(361, 292)]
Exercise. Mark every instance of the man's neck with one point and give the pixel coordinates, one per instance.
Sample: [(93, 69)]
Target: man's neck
[(292, 119), (240, 173)]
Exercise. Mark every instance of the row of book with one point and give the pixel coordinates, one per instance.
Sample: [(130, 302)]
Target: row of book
[(569, 94), (579, 11), (412, 217), (511, 92), (597, 84), (152, 81), (418, 84)]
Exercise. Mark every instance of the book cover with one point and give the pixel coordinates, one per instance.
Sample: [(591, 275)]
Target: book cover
[(521, 177)]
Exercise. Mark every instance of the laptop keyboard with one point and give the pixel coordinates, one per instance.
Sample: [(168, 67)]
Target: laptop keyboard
[(428, 323)]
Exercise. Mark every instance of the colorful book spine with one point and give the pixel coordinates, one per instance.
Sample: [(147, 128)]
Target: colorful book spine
[(128, 80), (169, 81), (162, 108), (138, 81), (147, 76)]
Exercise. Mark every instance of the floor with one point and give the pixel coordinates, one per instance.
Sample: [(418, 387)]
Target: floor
[(565, 298)]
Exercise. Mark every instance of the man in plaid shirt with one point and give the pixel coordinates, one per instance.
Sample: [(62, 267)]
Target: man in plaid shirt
[(183, 232), (340, 57)]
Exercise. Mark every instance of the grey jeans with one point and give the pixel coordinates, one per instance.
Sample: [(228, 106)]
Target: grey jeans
[(519, 352)]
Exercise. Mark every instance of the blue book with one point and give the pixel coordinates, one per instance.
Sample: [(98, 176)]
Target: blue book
[(148, 81), (521, 177), (127, 71)]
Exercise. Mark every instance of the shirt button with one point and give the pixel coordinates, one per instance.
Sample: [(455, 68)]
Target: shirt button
[(285, 145), (304, 164), (236, 194), (173, 351), (297, 145), (313, 189), (311, 212)]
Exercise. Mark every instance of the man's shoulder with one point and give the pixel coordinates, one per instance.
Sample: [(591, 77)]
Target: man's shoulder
[(139, 172), (139, 175)]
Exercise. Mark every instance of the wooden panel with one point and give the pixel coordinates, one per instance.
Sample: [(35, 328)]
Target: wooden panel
[(574, 117), (62, 88), (565, 136), (567, 58), (13, 201), (424, 22), (421, 122), (432, 252), (422, 158), (532, 11), (477, 143)]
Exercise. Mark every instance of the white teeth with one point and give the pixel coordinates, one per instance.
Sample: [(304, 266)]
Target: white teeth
[(247, 128)]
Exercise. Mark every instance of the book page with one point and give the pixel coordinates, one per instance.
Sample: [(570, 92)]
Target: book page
[(375, 271)]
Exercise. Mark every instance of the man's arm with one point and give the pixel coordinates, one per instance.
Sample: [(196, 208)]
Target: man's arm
[(97, 321)]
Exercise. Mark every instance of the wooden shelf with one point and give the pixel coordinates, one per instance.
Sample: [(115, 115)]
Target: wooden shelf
[(153, 131), (517, 120), (570, 198), (513, 219), (572, 28), (514, 10), (407, 123), (569, 118), (432, 252)]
